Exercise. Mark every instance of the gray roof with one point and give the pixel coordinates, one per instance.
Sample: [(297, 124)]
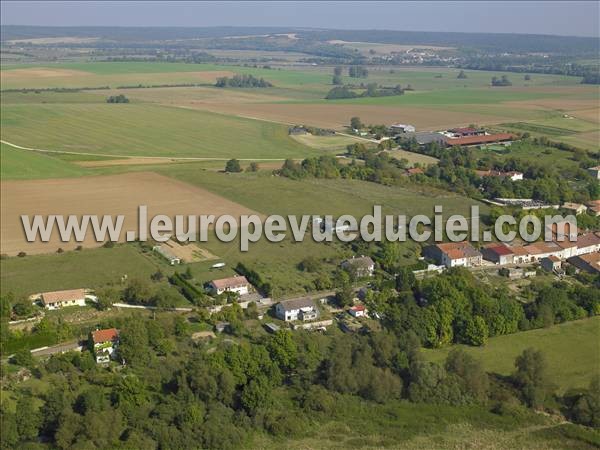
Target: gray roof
[(424, 137), (297, 303), (362, 261)]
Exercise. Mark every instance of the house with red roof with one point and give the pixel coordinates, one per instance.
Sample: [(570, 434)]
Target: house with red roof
[(105, 344), (454, 254), (358, 311), (498, 253)]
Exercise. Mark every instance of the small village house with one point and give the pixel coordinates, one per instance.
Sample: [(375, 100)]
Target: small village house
[(498, 253), (358, 311), (402, 128), (238, 284), (362, 266), (454, 254), (577, 208), (105, 344), (595, 172), (302, 309), (589, 262), (551, 263), (60, 299)]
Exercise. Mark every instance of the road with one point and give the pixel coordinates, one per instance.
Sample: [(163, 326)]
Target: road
[(126, 305)]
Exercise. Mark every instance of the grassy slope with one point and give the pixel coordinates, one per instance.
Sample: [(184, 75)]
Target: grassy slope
[(69, 270), (16, 164), (571, 350), (147, 130)]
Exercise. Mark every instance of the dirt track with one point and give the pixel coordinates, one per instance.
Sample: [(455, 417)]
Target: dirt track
[(100, 195)]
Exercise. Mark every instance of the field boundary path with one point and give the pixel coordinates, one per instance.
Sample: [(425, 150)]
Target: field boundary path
[(158, 158)]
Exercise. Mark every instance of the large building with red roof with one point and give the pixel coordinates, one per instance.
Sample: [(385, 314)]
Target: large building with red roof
[(479, 139), (454, 254)]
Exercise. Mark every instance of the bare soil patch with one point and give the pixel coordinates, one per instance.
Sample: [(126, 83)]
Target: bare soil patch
[(110, 195), (189, 253), (337, 116)]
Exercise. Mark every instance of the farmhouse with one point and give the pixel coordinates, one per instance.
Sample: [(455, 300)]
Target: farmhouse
[(426, 137), (454, 254), (479, 139), (237, 284), (577, 208), (588, 263), (466, 131), (105, 344), (165, 253), (513, 175), (358, 311), (60, 299), (361, 267), (498, 253), (551, 263), (298, 309), (595, 172), (402, 128)]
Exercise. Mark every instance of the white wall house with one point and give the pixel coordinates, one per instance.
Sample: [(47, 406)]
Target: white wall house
[(298, 309), (105, 344), (60, 299), (238, 284)]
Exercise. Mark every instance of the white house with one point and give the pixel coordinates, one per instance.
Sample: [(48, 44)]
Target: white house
[(165, 253), (362, 266), (105, 344), (298, 309), (454, 254), (358, 311), (237, 284), (402, 128), (577, 208), (595, 172), (60, 299)]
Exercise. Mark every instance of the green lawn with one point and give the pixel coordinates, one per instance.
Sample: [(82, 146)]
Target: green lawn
[(16, 164), (570, 348), (87, 268), (145, 130)]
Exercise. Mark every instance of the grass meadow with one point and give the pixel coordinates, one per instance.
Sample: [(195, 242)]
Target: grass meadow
[(145, 130), (89, 268), (571, 350), (16, 164)]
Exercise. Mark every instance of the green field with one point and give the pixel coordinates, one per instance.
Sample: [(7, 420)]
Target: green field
[(145, 130), (87, 268), (571, 350), (16, 164)]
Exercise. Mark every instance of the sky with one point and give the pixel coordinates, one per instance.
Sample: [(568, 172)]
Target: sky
[(574, 18)]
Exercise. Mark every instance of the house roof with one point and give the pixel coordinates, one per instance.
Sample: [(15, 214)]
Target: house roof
[(361, 261), (592, 260), (49, 298), (231, 282), (571, 205), (499, 249), (587, 240), (358, 308), (482, 139), (465, 130), (520, 250), (297, 303), (100, 336), (415, 171), (553, 258), (458, 250)]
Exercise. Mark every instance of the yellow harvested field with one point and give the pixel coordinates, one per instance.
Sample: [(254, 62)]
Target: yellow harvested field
[(111, 195), (336, 116)]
